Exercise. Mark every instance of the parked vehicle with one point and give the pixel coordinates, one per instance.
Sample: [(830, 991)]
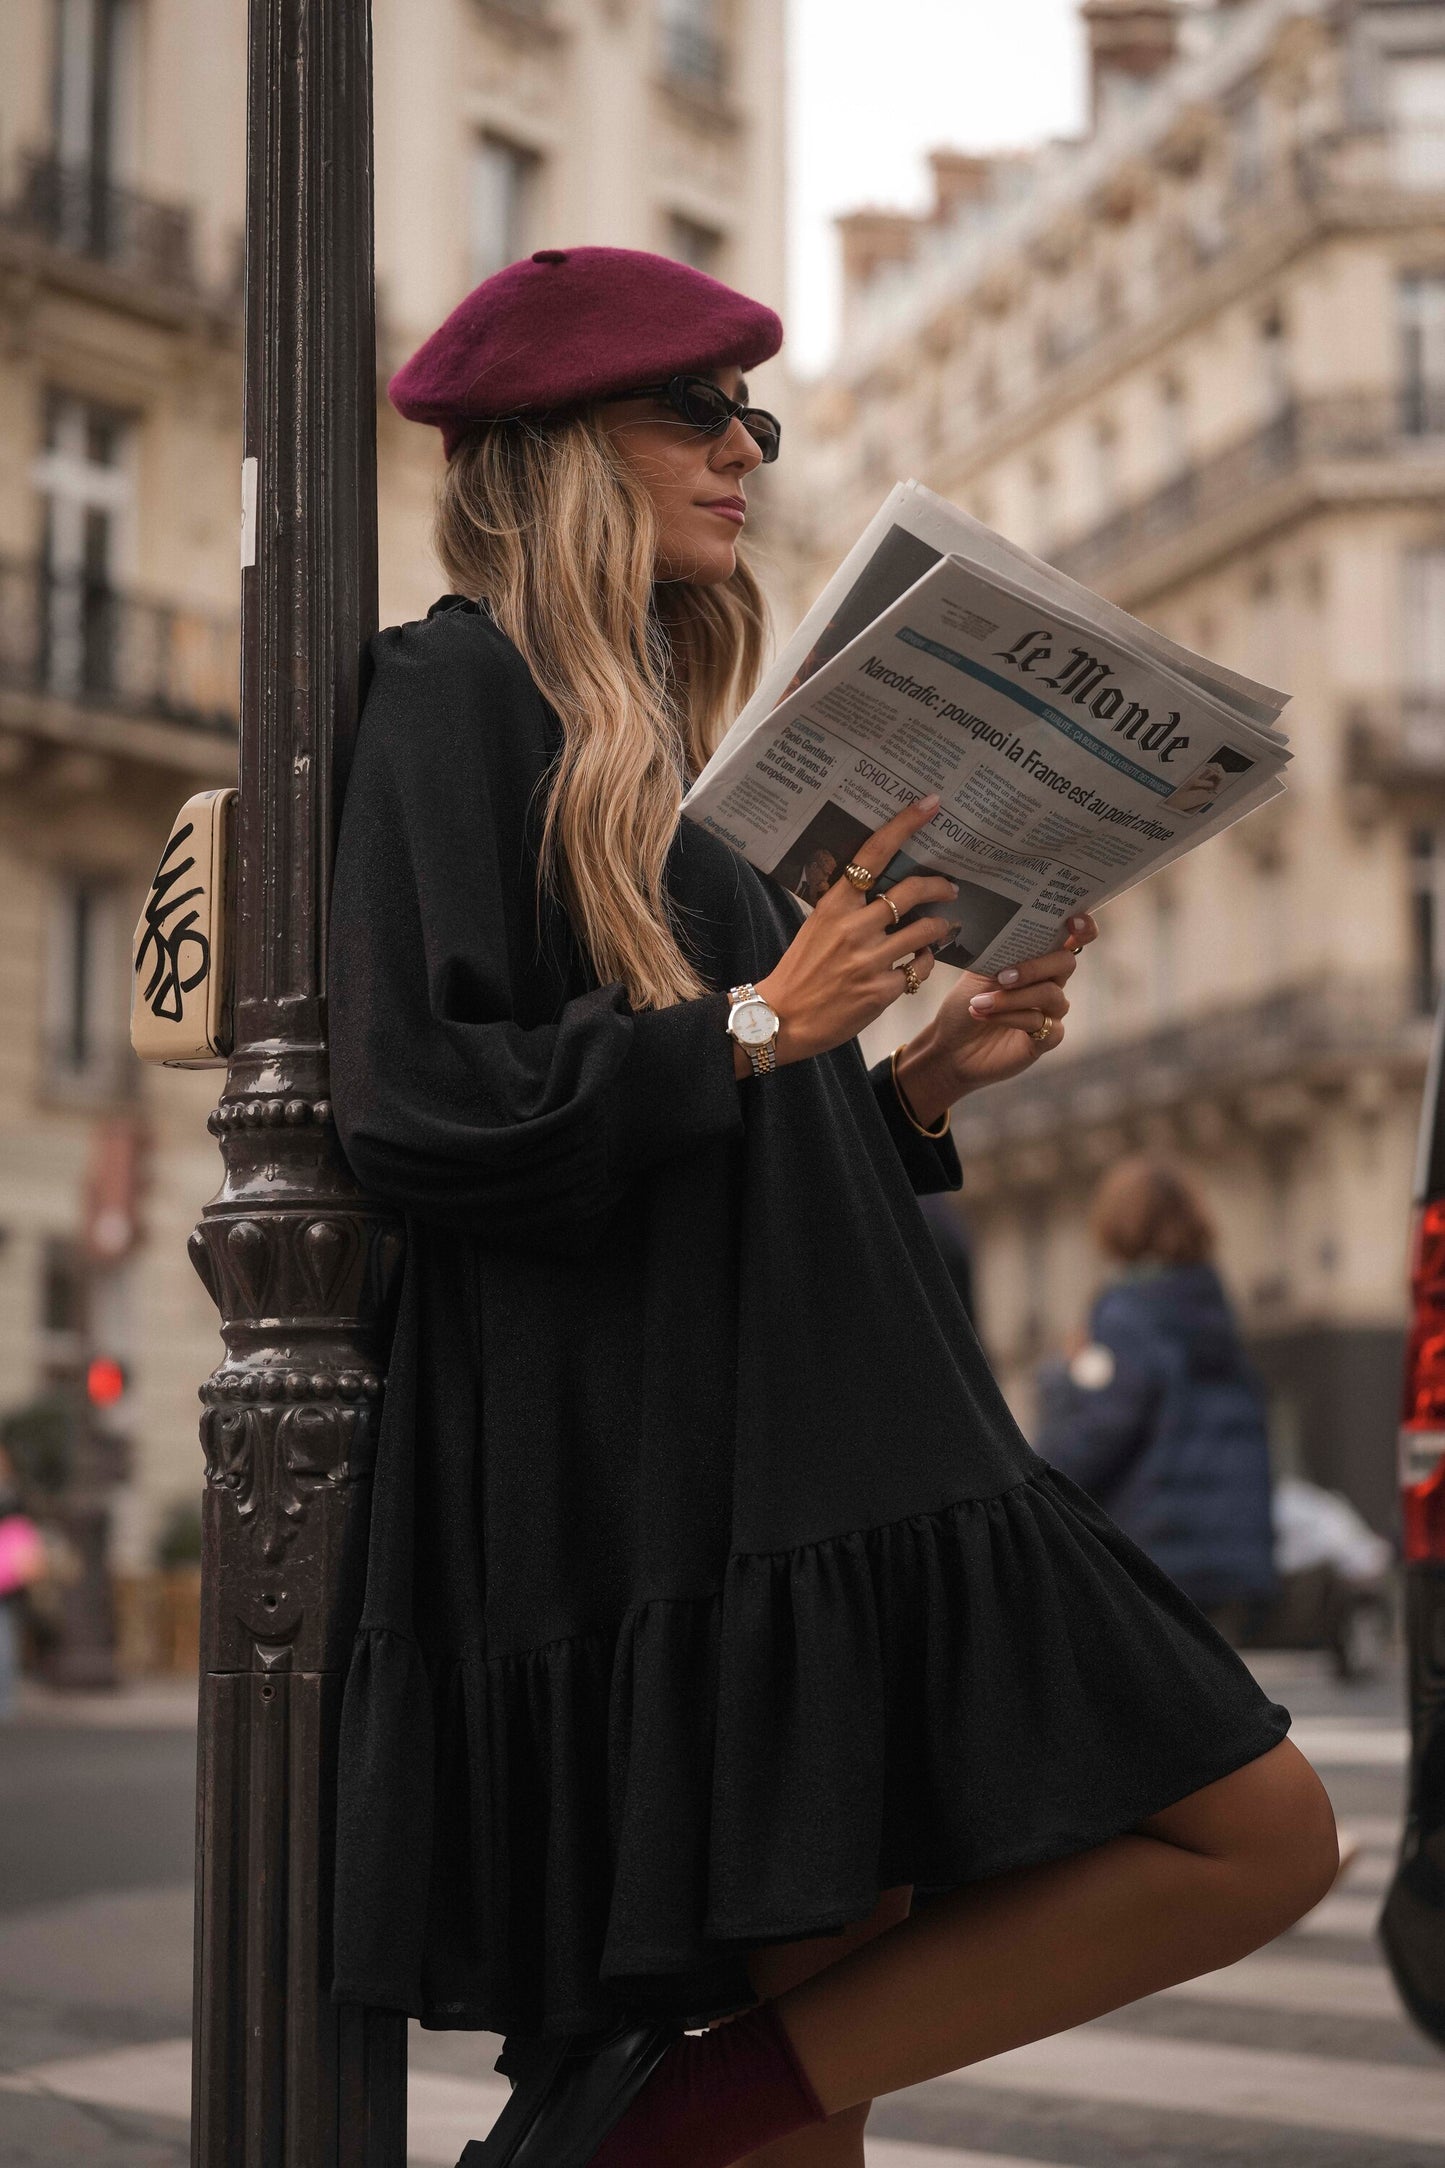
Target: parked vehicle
[(1412, 1925)]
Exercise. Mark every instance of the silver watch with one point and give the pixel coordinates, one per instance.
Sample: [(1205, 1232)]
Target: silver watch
[(754, 1023)]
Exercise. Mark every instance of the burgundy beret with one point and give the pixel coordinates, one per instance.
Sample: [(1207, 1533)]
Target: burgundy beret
[(571, 324)]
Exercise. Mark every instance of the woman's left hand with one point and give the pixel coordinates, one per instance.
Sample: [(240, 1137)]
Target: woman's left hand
[(983, 1033), (988, 1024)]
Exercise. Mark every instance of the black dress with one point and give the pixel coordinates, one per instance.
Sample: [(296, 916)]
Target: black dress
[(711, 1588)]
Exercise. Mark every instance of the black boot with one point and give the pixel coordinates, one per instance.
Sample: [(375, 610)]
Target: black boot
[(568, 2093)]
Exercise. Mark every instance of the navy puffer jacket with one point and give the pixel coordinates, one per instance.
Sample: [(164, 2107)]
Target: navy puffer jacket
[(1162, 1421)]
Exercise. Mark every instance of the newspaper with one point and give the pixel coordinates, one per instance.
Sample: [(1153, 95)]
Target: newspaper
[(1075, 749)]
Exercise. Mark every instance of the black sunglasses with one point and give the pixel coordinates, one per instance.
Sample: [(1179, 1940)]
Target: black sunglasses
[(704, 407)]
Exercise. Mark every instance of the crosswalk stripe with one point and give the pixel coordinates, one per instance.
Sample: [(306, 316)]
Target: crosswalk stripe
[(443, 2113), (1376, 1832), (1092, 2065), (152, 2080), (1179, 2077), (898, 2153), (1306, 1984), (1341, 1913), (1350, 1746)]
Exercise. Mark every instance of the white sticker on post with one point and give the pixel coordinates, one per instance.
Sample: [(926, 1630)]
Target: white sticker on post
[(248, 512)]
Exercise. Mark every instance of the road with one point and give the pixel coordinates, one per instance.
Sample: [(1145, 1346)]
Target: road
[(1297, 2058)]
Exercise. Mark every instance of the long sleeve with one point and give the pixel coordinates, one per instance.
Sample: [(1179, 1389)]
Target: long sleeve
[(931, 1163), (452, 1100)]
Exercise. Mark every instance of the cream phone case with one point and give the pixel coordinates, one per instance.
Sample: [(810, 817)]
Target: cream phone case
[(180, 995)]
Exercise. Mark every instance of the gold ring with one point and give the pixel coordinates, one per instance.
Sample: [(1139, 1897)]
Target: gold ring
[(1045, 1030), (911, 980), (897, 914), (858, 876)]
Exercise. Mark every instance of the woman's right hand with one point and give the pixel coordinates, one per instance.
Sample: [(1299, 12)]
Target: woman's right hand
[(842, 967)]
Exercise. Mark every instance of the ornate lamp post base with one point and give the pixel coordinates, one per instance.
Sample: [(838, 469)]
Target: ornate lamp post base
[(302, 1269)]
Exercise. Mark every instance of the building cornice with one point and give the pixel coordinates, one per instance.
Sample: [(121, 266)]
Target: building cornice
[(1252, 1069), (197, 758), (1281, 236), (1070, 178), (31, 267), (531, 24)]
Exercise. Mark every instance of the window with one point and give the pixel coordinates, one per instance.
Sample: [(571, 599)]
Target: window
[(95, 87), (693, 53), (1421, 303), (1247, 145), (1274, 366), (1427, 916), (1041, 493), (1164, 956), (1416, 102), (1423, 653), (504, 188), (86, 1022), (86, 494), (1104, 457), (64, 1307), (1173, 428), (691, 242)]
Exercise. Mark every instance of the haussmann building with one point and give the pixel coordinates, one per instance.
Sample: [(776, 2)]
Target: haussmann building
[(1196, 358)]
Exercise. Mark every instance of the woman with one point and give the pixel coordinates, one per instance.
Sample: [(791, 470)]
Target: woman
[(1161, 1417), (715, 1607)]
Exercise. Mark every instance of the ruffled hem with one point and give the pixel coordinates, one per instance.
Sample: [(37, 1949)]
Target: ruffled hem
[(532, 1842)]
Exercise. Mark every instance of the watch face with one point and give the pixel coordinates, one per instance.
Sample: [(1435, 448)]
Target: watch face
[(753, 1022)]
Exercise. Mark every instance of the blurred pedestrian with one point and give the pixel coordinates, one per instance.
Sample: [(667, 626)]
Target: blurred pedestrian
[(21, 1561), (1159, 1416)]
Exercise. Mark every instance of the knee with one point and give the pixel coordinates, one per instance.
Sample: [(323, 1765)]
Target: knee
[(1295, 1846)]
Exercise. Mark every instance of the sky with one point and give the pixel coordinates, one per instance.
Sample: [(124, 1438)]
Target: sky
[(876, 84)]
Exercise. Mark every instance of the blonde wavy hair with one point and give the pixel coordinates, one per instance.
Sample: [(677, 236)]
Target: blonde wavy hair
[(548, 525)]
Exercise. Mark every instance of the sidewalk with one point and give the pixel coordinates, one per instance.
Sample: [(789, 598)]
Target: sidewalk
[(137, 1705)]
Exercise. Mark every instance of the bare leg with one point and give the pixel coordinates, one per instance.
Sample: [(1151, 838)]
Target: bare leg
[(1033, 1952), (774, 1966)]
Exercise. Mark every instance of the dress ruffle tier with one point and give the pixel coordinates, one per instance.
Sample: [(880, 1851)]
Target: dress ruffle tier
[(626, 1811)]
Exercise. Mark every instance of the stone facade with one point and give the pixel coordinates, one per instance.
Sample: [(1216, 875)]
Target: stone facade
[(1196, 358), (501, 126)]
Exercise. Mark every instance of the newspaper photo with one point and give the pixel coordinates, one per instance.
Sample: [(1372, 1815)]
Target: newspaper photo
[(1074, 749)]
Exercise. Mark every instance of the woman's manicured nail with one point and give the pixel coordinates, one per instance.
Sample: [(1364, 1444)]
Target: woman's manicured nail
[(1009, 977), (982, 1003), (928, 804), (953, 888), (1078, 925)]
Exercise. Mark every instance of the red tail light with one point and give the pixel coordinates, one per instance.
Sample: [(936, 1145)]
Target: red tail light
[(1422, 1417)]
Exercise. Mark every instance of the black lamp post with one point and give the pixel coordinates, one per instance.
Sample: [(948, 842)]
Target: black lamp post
[(299, 1264)]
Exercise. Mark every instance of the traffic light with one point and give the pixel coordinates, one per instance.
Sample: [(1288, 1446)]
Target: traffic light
[(105, 1381)]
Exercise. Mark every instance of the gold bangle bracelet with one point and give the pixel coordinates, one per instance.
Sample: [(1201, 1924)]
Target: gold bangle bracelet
[(941, 1129)]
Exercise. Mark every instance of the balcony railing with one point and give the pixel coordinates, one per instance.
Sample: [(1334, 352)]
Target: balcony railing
[(1365, 425), (79, 640), (1397, 741), (1282, 1036), (77, 209)]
